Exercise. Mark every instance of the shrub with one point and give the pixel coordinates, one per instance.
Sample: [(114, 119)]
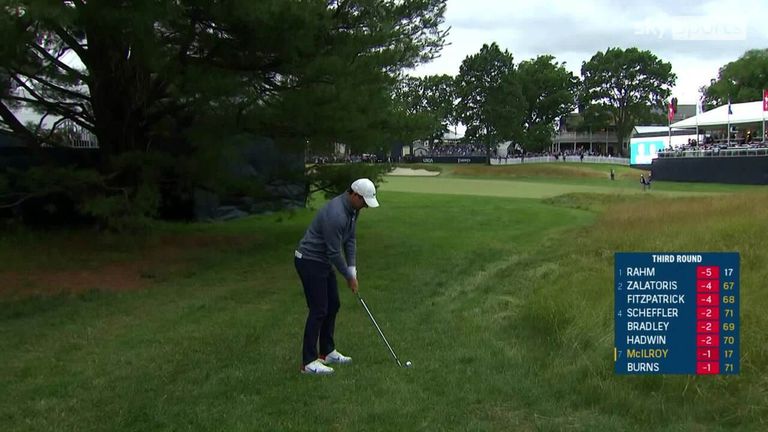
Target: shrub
[(336, 179)]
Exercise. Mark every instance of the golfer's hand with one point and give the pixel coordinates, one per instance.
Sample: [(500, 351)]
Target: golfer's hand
[(352, 284)]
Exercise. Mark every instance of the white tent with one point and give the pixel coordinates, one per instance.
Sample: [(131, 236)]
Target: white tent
[(452, 136), (747, 112)]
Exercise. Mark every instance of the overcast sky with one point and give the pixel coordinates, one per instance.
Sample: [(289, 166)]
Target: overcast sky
[(696, 36)]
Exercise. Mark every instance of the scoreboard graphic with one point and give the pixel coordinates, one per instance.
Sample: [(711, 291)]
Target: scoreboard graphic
[(676, 313)]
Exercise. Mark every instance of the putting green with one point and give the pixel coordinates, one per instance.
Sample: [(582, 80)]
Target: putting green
[(505, 188)]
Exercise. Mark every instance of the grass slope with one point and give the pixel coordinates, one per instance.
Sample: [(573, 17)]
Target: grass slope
[(503, 305), (575, 174)]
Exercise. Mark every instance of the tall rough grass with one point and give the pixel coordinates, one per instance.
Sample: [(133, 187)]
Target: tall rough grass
[(564, 319)]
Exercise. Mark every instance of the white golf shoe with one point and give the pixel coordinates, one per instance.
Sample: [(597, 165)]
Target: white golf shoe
[(316, 368), (336, 357)]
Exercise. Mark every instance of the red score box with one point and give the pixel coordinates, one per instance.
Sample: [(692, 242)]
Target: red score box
[(707, 354), (707, 368), (707, 286), (708, 313), (707, 300), (706, 340), (707, 272), (712, 327)]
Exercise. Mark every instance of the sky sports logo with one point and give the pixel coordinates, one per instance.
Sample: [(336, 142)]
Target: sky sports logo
[(693, 28)]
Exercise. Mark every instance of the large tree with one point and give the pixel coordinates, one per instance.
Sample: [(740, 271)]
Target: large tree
[(141, 61), (489, 97), (410, 120), (549, 91), (426, 107), (629, 84), (178, 76), (438, 94), (742, 80)]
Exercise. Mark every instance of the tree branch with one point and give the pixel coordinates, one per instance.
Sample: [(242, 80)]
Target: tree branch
[(19, 201), (73, 94), (73, 43), (53, 128), (58, 62), (10, 118), (40, 123), (55, 107)]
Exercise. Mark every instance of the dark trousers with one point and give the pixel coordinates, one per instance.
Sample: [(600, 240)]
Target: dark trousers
[(322, 294)]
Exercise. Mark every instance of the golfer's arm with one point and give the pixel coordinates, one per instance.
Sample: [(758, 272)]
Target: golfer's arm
[(350, 249), (332, 234)]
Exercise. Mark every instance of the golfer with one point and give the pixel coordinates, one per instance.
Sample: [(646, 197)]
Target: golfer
[(331, 232)]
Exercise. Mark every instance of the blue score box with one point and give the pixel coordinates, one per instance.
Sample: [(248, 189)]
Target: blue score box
[(676, 313)]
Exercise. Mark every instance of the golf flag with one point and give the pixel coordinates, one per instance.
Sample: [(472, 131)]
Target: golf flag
[(672, 109), (765, 108), (765, 100)]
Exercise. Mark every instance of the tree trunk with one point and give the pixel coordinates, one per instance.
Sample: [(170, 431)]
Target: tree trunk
[(120, 89)]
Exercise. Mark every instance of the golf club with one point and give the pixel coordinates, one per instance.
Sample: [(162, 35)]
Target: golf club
[(375, 324)]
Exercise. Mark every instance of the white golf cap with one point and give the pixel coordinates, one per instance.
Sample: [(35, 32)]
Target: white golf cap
[(367, 190)]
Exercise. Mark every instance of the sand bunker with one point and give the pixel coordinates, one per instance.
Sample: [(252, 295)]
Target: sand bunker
[(412, 172)]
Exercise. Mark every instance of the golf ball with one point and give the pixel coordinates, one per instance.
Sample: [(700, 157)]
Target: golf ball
[(408, 364)]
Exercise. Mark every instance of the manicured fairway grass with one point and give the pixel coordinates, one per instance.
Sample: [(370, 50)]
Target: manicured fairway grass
[(575, 174), (504, 306), (515, 188)]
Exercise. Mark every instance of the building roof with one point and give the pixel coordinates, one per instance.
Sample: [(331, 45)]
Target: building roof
[(742, 113)]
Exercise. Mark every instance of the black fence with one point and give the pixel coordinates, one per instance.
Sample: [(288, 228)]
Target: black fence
[(713, 169), (448, 159)]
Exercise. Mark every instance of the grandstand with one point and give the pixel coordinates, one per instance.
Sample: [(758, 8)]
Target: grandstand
[(733, 148)]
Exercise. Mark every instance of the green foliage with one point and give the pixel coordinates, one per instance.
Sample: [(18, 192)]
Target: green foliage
[(337, 88), (488, 98), (174, 79), (89, 194), (629, 84), (4, 184), (742, 80), (499, 101), (336, 179), (124, 211), (424, 107), (438, 93), (42, 181), (549, 91)]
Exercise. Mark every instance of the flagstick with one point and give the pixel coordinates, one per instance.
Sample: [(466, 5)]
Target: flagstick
[(669, 123), (670, 131), (728, 143), (699, 110), (697, 127)]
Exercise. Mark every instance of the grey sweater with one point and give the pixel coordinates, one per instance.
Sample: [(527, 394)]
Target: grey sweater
[(332, 228)]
